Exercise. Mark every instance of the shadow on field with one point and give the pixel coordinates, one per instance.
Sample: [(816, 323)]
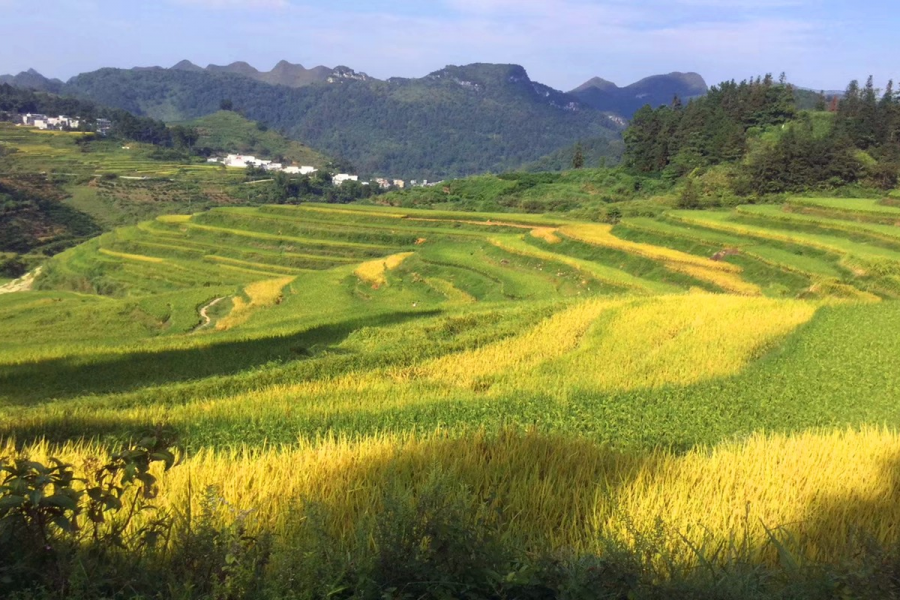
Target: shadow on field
[(69, 378), (863, 526)]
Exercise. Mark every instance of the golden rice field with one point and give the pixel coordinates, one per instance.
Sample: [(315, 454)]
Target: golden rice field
[(717, 374), (562, 492)]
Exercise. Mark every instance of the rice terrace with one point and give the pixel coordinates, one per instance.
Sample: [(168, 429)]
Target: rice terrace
[(580, 382), (311, 334)]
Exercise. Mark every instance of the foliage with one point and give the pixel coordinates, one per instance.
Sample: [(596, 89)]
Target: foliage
[(457, 121), (230, 133), (755, 126), (125, 125), (51, 520)]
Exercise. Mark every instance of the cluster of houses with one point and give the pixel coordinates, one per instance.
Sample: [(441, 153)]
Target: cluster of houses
[(62, 123), (243, 161)]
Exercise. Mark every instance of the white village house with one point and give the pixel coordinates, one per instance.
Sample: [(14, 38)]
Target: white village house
[(340, 178), (300, 170), (61, 123)]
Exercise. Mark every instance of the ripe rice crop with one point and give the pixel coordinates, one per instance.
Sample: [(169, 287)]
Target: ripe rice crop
[(261, 294), (548, 234), (137, 257), (558, 491), (722, 274), (374, 271)]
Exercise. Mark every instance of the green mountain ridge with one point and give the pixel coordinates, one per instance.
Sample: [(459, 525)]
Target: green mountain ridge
[(657, 90), (454, 122)]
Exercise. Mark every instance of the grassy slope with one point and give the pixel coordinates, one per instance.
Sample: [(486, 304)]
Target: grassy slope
[(492, 324), (227, 132)]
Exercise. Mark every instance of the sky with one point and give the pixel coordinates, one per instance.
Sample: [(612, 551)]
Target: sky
[(820, 44)]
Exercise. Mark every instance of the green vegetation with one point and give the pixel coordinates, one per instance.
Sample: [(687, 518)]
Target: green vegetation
[(454, 122), (523, 385), (226, 132), (770, 147), (471, 346)]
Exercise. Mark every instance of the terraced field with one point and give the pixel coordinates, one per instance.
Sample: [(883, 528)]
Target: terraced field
[(708, 371)]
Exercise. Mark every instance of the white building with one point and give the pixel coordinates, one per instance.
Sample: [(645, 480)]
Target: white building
[(239, 161), (340, 178), (104, 126), (300, 170), (399, 183)]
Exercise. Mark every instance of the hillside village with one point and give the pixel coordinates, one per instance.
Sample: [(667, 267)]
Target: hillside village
[(239, 161), (64, 123), (242, 161)]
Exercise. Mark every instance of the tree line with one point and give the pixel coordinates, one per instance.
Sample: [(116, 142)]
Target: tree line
[(15, 101), (757, 127)]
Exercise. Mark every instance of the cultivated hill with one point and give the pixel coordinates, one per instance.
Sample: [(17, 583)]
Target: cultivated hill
[(657, 90), (229, 132), (555, 387), (456, 121)]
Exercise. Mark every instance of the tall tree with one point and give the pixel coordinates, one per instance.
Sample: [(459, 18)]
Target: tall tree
[(578, 157)]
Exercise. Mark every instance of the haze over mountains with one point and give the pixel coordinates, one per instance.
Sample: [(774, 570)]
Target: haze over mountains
[(656, 90), (456, 121)]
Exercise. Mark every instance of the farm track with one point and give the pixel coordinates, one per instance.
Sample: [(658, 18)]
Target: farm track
[(22, 284), (204, 315)]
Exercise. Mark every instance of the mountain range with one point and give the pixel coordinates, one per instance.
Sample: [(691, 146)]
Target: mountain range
[(456, 121), (657, 90), (31, 79)]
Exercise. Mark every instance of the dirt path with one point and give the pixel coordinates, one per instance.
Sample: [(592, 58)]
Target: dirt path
[(22, 284), (205, 315)]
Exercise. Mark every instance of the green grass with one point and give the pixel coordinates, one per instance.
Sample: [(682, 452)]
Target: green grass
[(227, 132), (74, 360)]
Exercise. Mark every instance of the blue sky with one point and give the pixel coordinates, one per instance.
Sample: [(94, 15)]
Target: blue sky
[(820, 44)]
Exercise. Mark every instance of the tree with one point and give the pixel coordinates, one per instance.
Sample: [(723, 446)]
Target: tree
[(226, 104), (578, 158), (689, 198)]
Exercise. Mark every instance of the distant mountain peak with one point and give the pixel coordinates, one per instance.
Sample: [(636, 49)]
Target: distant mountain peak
[(31, 79), (346, 73), (598, 83), (187, 65), (656, 90), (236, 68)]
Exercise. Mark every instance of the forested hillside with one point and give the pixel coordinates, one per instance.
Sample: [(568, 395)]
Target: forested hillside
[(456, 121), (227, 132), (765, 144)]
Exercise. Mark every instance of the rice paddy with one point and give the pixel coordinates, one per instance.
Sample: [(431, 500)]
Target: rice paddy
[(723, 373)]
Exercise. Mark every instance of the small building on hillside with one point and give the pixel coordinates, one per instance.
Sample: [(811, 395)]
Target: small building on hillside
[(399, 183), (340, 178), (104, 126)]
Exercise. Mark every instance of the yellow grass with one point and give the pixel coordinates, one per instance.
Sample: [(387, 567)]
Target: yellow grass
[(560, 491), (550, 339), (137, 257), (721, 274), (678, 340), (668, 340), (374, 271), (548, 234), (174, 218), (603, 273), (261, 294)]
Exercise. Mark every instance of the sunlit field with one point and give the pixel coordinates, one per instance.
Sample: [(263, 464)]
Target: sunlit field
[(726, 378)]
